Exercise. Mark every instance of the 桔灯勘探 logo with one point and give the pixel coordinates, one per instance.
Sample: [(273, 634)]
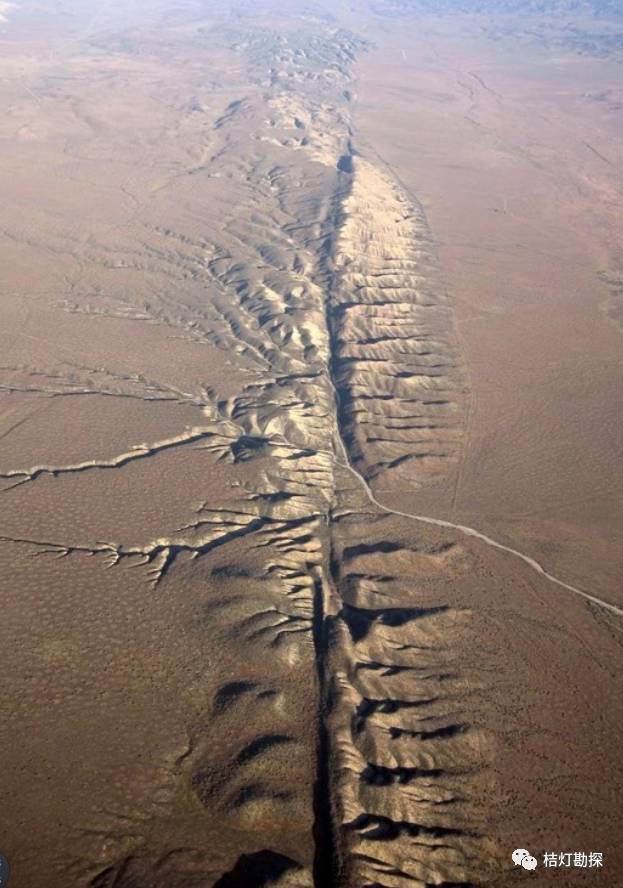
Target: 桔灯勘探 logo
[(521, 857), (560, 859)]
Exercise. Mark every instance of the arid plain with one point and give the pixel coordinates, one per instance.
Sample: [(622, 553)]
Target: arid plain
[(292, 301)]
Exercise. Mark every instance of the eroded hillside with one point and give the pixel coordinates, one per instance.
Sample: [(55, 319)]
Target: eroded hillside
[(235, 337)]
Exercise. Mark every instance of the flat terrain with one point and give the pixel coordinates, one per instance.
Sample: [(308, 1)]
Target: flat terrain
[(310, 443)]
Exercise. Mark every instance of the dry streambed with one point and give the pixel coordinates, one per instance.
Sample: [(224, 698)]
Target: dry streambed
[(320, 281), (327, 722)]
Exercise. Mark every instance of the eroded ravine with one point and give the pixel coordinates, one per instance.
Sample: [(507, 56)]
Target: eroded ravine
[(403, 765), (235, 386), (334, 742), (318, 279)]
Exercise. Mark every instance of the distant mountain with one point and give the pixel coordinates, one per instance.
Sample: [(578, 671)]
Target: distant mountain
[(587, 27), (598, 8)]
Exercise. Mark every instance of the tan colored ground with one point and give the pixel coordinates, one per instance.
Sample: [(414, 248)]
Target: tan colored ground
[(501, 150), (500, 147), (267, 279)]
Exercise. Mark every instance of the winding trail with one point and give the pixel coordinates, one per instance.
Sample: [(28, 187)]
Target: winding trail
[(462, 528)]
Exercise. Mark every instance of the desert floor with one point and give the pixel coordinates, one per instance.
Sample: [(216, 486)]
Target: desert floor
[(310, 445)]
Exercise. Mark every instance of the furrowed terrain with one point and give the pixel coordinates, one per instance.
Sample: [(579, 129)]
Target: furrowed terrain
[(239, 652)]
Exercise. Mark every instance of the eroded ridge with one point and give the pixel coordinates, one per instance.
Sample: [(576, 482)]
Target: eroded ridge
[(318, 282), (395, 363), (408, 763)]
